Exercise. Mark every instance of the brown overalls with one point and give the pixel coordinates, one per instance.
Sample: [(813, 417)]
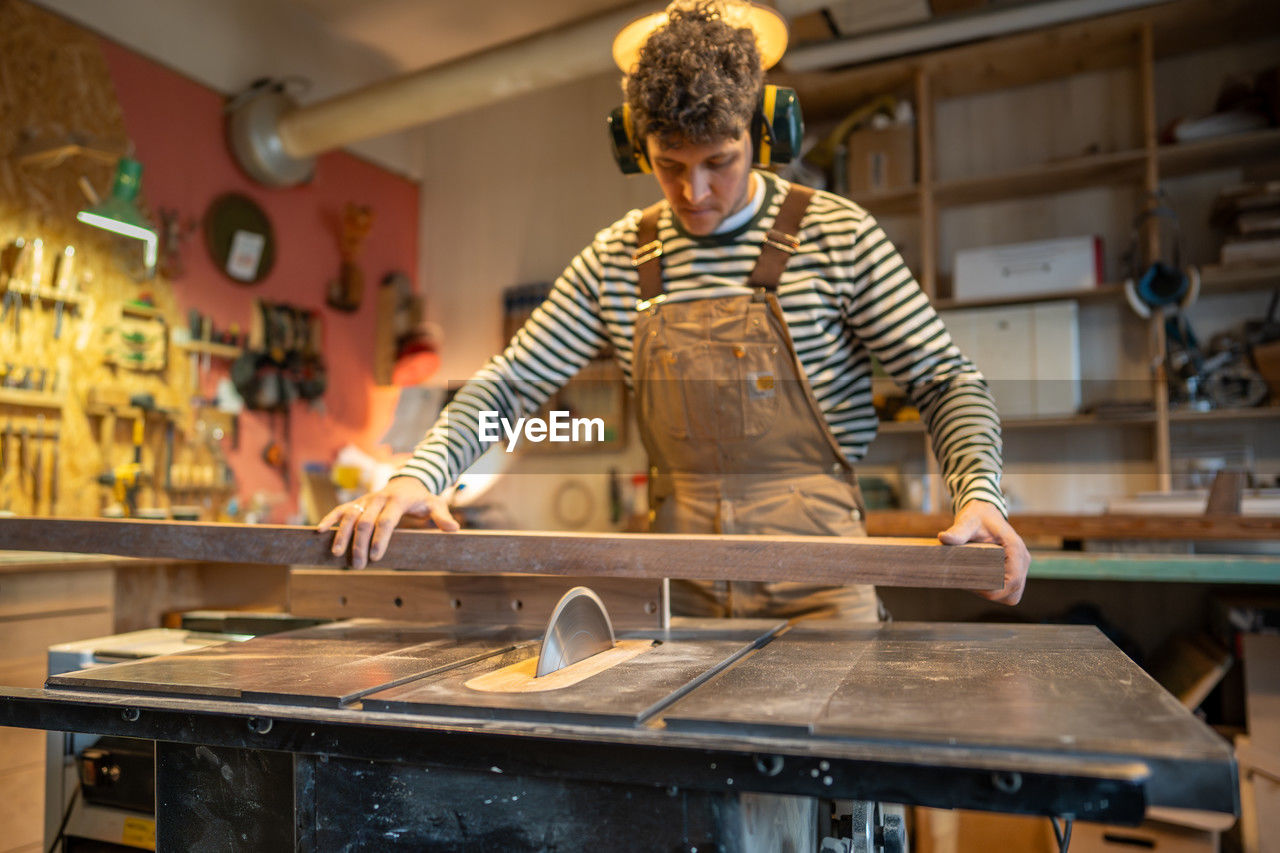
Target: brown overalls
[(736, 440)]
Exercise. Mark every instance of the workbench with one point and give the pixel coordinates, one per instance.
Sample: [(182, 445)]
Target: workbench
[(376, 734)]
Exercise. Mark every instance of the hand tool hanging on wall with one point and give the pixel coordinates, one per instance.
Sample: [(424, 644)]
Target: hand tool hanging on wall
[(26, 470), (9, 480), (62, 286), (126, 479), (12, 262), (37, 469), (53, 472)]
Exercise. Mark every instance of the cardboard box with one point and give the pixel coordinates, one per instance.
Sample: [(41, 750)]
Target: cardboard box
[(1028, 269), (961, 831), (1266, 358), (1259, 797), (1261, 654), (1030, 355), (881, 159), (1150, 835)]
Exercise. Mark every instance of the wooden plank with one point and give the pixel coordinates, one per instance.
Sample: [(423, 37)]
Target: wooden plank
[(1223, 152), (1114, 526), (520, 600), (819, 559), (1042, 179), (521, 676), (155, 592), (22, 805), (927, 162), (1021, 60), (25, 638), (39, 593)]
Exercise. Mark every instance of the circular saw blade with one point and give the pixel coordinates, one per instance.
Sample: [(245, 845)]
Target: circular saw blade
[(579, 628)]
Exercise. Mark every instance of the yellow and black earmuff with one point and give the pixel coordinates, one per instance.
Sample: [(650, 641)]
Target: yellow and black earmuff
[(776, 130)]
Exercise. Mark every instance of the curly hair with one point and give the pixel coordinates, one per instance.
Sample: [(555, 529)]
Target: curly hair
[(698, 79)]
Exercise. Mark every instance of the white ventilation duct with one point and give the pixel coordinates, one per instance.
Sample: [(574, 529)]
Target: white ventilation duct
[(276, 141)]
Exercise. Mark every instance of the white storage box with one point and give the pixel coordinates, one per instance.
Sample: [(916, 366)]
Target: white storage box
[(1028, 269), (1030, 355)]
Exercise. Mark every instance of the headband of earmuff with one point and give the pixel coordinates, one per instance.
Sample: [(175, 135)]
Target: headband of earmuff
[(776, 130)]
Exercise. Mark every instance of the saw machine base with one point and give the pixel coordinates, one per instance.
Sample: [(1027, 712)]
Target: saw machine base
[(367, 731)]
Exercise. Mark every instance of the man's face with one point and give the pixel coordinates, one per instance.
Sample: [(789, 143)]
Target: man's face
[(702, 183)]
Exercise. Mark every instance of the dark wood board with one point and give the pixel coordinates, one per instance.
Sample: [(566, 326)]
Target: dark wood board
[(821, 559)]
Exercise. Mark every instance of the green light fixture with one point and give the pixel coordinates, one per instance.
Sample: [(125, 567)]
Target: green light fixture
[(119, 211)]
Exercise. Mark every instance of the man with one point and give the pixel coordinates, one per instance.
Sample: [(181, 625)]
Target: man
[(743, 312)]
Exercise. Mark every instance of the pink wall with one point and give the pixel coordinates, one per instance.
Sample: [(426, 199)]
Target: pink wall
[(177, 128)]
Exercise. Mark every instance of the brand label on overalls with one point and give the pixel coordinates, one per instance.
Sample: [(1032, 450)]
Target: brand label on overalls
[(760, 386)]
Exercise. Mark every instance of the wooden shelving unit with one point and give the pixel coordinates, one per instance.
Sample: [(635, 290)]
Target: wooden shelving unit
[(1224, 152), (32, 399), (1110, 68), (1097, 294), (1063, 176), (211, 348), (1257, 413), (1074, 421), (134, 309)]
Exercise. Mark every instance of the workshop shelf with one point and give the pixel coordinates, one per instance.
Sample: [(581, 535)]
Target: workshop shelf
[(1041, 179), (1224, 152), (1182, 568), (32, 399), (212, 348)]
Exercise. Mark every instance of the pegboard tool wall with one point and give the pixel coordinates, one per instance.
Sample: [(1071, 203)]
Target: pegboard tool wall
[(57, 79)]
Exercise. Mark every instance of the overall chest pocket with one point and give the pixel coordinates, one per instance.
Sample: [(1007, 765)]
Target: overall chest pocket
[(711, 391)]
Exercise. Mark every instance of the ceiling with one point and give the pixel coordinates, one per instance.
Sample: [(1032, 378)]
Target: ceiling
[(415, 34)]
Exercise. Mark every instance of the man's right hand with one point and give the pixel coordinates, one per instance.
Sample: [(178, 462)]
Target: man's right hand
[(366, 524)]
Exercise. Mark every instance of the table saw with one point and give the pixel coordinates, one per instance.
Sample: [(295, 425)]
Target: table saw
[(678, 735)]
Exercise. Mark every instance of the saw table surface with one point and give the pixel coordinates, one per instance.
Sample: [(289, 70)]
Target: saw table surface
[(1022, 718)]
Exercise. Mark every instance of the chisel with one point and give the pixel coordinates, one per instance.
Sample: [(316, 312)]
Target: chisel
[(62, 286)]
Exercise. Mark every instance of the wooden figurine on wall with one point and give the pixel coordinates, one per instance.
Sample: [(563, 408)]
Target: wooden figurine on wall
[(345, 292)]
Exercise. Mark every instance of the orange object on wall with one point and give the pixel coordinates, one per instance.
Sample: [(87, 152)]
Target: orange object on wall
[(177, 128)]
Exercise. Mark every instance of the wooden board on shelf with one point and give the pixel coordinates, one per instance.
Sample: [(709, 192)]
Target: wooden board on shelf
[(32, 399), (1097, 294), (1036, 56), (892, 202), (1064, 176), (1223, 152), (212, 348)]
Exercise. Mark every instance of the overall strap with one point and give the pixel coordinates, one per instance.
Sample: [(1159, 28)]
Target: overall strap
[(781, 242), (648, 252)]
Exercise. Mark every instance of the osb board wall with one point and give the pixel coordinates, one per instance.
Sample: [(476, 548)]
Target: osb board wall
[(54, 84)]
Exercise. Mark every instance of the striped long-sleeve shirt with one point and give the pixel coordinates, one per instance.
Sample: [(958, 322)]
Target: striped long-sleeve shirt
[(846, 295)]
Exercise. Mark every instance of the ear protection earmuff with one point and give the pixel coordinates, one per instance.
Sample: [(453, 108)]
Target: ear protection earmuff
[(776, 130), (1160, 285)]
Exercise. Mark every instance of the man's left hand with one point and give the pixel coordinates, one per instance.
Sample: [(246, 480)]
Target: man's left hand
[(979, 521)]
